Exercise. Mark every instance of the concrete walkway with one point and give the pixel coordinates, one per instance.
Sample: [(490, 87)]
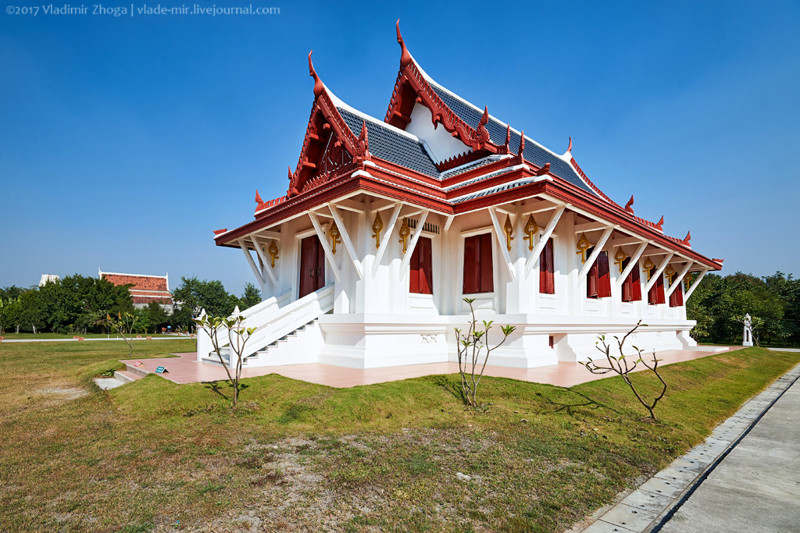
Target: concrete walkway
[(744, 477), (757, 486)]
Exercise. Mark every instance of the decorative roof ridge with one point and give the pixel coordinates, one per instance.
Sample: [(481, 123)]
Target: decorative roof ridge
[(340, 104), (564, 157), (589, 182), (324, 104), (411, 75), (271, 203)]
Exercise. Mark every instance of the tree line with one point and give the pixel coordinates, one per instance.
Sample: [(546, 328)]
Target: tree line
[(720, 302), (81, 304)]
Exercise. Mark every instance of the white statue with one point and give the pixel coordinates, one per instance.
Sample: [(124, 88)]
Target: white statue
[(747, 336)]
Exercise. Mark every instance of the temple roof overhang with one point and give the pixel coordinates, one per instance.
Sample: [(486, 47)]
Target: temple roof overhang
[(347, 152)]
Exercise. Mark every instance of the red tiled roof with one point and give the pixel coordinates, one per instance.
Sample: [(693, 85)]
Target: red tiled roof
[(153, 283), (143, 289)]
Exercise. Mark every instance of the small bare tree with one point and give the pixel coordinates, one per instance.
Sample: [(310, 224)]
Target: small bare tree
[(123, 325), (238, 336), (471, 346), (624, 365)]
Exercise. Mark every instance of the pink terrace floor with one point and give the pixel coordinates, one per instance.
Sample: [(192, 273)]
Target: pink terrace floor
[(184, 368)]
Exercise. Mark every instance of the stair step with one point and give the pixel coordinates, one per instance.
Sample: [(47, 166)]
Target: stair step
[(125, 376), (136, 371), (109, 383)]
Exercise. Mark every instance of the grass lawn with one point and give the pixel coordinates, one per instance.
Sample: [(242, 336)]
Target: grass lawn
[(39, 336), (401, 456)]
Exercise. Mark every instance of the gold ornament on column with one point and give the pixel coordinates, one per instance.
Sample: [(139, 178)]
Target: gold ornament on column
[(531, 229), (273, 252), (334, 234), (687, 281), (583, 245), (670, 273), (404, 233), (377, 226), (509, 230), (619, 258), (648, 267)]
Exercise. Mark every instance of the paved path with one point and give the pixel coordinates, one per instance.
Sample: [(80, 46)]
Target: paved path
[(186, 369), (757, 486), (744, 478)]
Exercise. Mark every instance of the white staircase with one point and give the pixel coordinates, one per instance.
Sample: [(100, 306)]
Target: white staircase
[(285, 334)]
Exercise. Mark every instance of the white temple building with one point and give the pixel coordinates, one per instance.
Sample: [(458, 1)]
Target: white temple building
[(389, 224)]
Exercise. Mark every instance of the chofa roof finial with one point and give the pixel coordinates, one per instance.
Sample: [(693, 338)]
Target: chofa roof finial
[(569, 148), (258, 198), (405, 56), (318, 85), (629, 205)]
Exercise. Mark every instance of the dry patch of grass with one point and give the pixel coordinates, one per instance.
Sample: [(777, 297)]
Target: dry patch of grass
[(401, 456)]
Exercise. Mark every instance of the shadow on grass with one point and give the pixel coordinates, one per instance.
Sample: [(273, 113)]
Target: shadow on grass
[(570, 408), (450, 386), (214, 386)]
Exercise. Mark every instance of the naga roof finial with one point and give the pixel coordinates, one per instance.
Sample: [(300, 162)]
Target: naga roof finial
[(405, 56), (629, 205), (507, 144), (318, 85)]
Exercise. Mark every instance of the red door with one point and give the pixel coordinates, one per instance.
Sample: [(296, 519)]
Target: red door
[(421, 279), (312, 265)]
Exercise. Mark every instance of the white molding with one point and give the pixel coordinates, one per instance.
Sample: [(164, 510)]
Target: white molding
[(386, 236), (501, 238), (252, 263), (632, 264), (267, 268), (694, 285), (533, 258), (413, 244), (325, 246), (658, 272), (598, 247), (348, 244), (676, 283)]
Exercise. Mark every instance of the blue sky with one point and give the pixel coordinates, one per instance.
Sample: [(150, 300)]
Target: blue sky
[(125, 141)]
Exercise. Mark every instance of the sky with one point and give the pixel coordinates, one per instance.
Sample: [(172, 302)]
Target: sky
[(125, 141)]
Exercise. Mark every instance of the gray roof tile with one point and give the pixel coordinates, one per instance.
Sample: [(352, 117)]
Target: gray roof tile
[(497, 133)]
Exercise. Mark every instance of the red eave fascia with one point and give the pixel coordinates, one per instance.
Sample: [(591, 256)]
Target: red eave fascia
[(380, 182), (571, 194)]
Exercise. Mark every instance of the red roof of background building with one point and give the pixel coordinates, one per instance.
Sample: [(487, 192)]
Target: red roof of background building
[(143, 288)]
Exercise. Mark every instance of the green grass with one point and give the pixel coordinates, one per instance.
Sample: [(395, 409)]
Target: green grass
[(385, 457), (65, 336)]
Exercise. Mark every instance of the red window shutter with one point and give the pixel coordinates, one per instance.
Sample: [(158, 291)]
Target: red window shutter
[(413, 270), (478, 268), (676, 298), (487, 268), (591, 277), (425, 266), (603, 277), (627, 285), (656, 294), (636, 284), (546, 269), (471, 265)]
